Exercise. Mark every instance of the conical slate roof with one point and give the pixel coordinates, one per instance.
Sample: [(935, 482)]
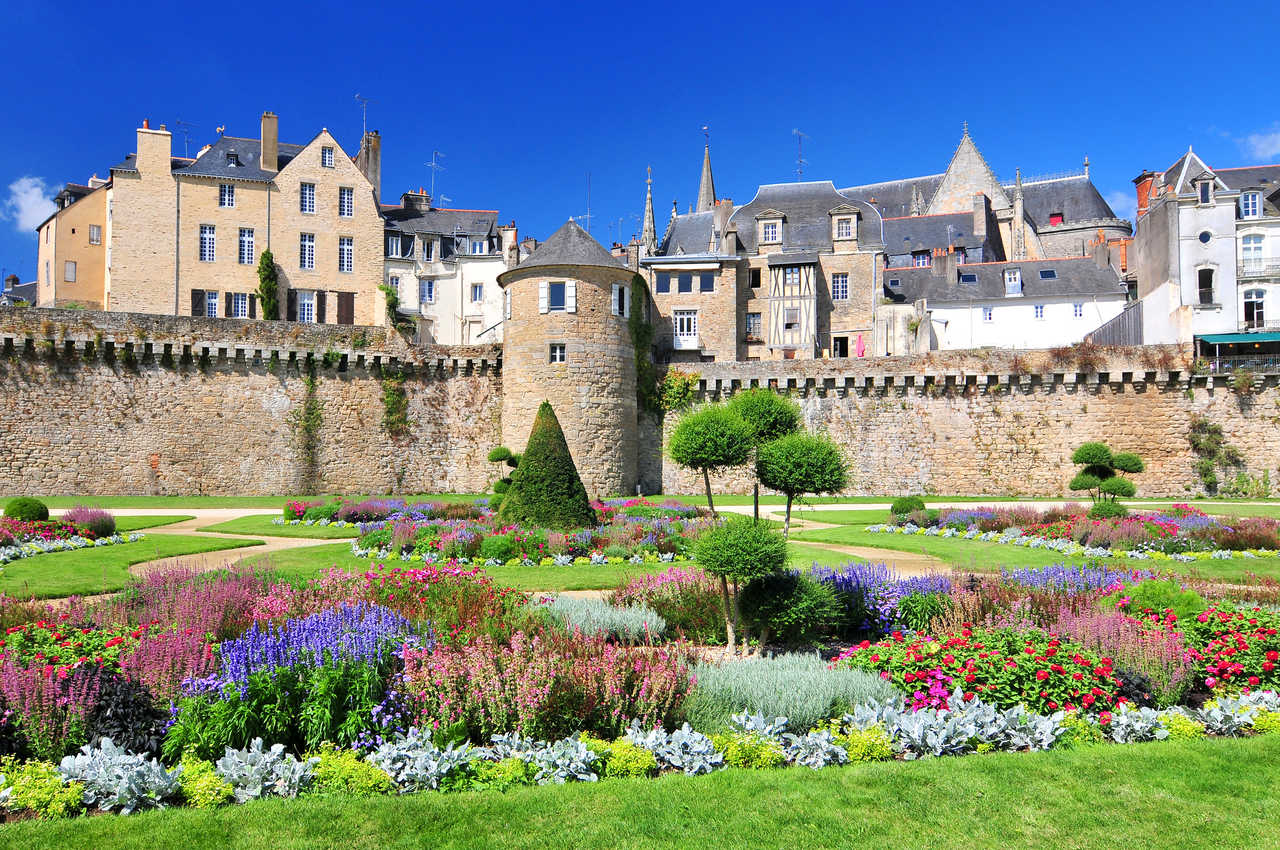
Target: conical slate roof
[(568, 246)]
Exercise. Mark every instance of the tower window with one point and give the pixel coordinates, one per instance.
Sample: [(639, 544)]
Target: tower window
[(557, 353), (555, 296)]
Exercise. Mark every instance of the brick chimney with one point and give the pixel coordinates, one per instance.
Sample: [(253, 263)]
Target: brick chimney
[(981, 212), (945, 263), (155, 148), (10, 282), (270, 142), (509, 239), (1143, 183), (369, 160), (418, 200)]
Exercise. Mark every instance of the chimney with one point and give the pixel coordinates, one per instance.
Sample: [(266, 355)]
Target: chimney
[(369, 160), (508, 239), (418, 200), (981, 212), (945, 263), (1143, 184), (155, 148), (270, 142), (10, 282)]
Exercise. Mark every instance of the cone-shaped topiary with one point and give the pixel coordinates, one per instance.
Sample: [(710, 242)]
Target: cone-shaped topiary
[(545, 489)]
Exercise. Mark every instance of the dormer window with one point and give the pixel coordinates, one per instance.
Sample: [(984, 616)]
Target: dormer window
[(1012, 282), (921, 259), (1250, 205), (844, 228), (1055, 219), (1048, 274), (769, 231), (969, 278), (233, 159), (1205, 187)]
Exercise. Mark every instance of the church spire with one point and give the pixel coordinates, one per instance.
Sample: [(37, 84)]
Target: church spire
[(707, 186), (649, 231)]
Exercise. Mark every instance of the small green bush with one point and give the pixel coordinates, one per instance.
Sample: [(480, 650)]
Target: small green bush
[(1182, 727), (1079, 731), (344, 772), (917, 610), (27, 509), (499, 547), (499, 775), (621, 759), (201, 785), (1159, 596), (546, 490), (325, 511), (904, 505), (37, 787), (749, 750), (1108, 510), (741, 549), (793, 608), (872, 744), (1266, 722)]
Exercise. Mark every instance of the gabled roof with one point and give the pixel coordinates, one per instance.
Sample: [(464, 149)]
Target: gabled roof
[(568, 246), (1073, 276), (689, 234)]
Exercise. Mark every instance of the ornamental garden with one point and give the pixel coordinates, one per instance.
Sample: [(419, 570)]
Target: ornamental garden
[(714, 646)]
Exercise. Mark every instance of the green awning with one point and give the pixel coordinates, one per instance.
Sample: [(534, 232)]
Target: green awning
[(1224, 339)]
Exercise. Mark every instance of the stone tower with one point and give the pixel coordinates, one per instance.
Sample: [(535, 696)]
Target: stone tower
[(566, 341)]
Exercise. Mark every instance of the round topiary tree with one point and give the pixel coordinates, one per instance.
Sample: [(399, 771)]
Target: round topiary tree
[(27, 509), (1100, 476), (740, 550), (545, 489), (769, 416), (710, 438), (801, 463)]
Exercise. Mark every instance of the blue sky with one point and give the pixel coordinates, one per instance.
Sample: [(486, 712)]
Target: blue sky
[(526, 99)]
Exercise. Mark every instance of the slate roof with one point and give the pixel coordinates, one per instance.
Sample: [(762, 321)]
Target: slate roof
[(1265, 177), (442, 222), (806, 207), (130, 163), (923, 232), (1075, 197), (893, 197), (1075, 276), (568, 246), (213, 162), (23, 291), (689, 234)]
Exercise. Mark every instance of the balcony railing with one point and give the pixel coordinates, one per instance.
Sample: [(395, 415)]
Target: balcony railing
[(685, 343), (1258, 267), (1259, 325), (1251, 362)]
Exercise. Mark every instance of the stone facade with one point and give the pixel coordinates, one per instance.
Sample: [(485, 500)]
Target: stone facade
[(70, 265), (593, 391)]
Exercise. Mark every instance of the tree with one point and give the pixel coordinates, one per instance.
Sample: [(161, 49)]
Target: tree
[(801, 463), (1099, 477), (769, 416), (269, 286), (503, 455), (741, 549), (710, 438), (545, 489)]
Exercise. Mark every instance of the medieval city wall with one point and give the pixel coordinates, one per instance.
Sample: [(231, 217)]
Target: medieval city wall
[(107, 403), (1002, 423)]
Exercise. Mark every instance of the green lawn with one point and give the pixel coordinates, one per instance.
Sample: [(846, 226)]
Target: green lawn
[(1192, 794), (261, 525), (125, 524), (126, 502), (99, 570)]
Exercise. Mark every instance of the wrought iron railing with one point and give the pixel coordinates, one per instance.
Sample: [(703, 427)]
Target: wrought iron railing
[(1251, 362), (1258, 267)]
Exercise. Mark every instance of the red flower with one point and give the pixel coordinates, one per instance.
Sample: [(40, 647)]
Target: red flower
[(1042, 674)]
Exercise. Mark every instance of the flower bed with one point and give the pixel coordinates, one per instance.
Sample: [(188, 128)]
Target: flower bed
[(27, 538), (1183, 533)]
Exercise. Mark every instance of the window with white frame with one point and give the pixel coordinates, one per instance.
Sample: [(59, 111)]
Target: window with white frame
[(306, 251), (393, 244), (1254, 315), (557, 353), (394, 282), (1251, 253), (346, 202), (753, 328), (921, 259), (69, 271), (555, 297), (307, 197), (478, 246), (226, 195), (840, 287), (769, 231), (208, 245), (95, 234), (791, 276), (1039, 311), (426, 292), (1206, 191), (1077, 310), (844, 228), (685, 324), (239, 305), (621, 300), (1013, 281), (477, 293), (211, 303), (346, 254), (988, 314), (246, 246), (428, 249), (1250, 204), (326, 157), (307, 307)]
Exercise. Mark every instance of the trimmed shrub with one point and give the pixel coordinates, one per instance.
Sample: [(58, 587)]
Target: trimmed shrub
[(202, 787), (621, 759), (741, 549), (750, 750), (791, 607), (801, 463), (1107, 510), (545, 489), (767, 414), (798, 687), (345, 772), (904, 505), (100, 523), (871, 744), (594, 617), (26, 508), (710, 438)]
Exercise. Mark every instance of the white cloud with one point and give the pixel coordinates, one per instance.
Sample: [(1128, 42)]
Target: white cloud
[(1125, 204), (1263, 145), (28, 203)]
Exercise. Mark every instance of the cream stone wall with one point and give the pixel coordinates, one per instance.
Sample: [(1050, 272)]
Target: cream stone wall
[(64, 237), (143, 231), (593, 392), (198, 199)]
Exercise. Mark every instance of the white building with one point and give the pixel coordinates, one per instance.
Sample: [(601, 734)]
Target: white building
[(1041, 303), (1207, 252), (444, 266)]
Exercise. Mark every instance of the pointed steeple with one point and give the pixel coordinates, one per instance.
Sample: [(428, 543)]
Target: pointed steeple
[(917, 200), (649, 231), (1018, 224), (707, 186)]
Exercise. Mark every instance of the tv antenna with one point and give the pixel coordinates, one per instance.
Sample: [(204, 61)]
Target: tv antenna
[(588, 216), (185, 128), (364, 113), (435, 167), (444, 199), (801, 162)]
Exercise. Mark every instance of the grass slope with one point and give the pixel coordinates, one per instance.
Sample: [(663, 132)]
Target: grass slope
[(261, 525), (99, 570), (1203, 793)]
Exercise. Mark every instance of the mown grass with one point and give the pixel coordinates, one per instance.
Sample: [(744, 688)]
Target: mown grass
[(1192, 794), (136, 502), (99, 570), (261, 525), (125, 524)]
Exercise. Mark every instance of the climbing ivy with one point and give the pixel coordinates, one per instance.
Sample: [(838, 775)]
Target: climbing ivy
[(1213, 451), (395, 404), (642, 341), (676, 390), (305, 422)]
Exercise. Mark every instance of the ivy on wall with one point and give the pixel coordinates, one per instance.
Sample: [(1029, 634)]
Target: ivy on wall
[(306, 421), (395, 404), (642, 341)]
